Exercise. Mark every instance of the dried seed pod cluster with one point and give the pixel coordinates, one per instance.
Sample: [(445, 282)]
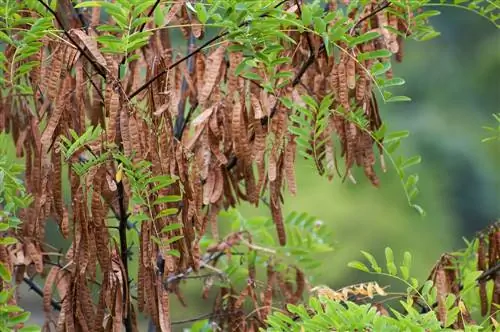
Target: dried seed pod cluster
[(236, 148), (445, 276)]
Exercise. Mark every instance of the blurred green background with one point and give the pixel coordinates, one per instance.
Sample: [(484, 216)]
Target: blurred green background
[(453, 81)]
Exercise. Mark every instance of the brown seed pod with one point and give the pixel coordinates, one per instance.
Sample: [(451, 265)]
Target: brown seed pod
[(343, 89), (351, 73)]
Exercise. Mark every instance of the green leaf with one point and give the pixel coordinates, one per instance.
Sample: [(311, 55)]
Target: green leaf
[(4, 296), (307, 16), (389, 257), (310, 101), (174, 252), (405, 272), (358, 265), (167, 199), (11, 308), (396, 81), (372, 260), (201, 12), (18, 319), (394, 99), (166, 212), (392, 146), (419, 209), (252, 76), (172, 239), (171, 227), (380, 68), (407, 259), (5, 38), (364, 38), (396, 135), (30, 328), (165, 180), (372, 55), (8, 240), (411, 161), (158, 16)]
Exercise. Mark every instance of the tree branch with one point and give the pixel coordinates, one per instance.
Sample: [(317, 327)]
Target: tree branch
[(37, 289), (122, 230)]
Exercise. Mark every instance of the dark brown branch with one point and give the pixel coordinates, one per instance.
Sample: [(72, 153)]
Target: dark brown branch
[(308, 37), (97, 66), (489, 274), (204, 316), (143, 25), (181, 121), (383, 5), (37, 289), (124, 250), (149, 14)]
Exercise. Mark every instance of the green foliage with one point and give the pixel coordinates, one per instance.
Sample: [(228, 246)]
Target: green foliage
[(309, 122), (323, 313), (307, 237), (24, 34), (490, 9), (495, 131), (13, 197), (425, 295), (13, 194), (125, 35)]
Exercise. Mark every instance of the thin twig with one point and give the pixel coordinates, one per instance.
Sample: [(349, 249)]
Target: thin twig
[(37, 289), (180, 122), (490, 273), (124, 250), (383, 5), (206, 260), (201, 317), (151, 11)]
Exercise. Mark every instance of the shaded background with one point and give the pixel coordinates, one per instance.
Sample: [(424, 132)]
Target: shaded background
[(454, 86)]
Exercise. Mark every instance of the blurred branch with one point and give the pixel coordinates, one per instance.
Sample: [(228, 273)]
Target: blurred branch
[(207, 259)]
